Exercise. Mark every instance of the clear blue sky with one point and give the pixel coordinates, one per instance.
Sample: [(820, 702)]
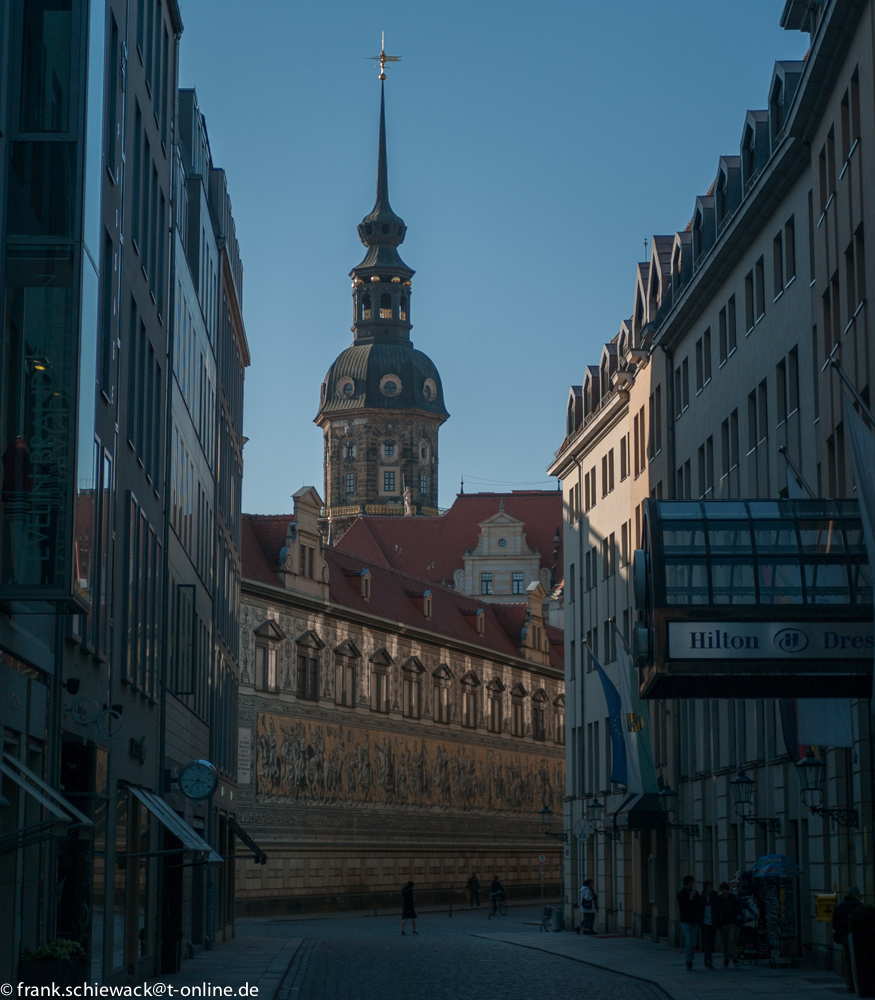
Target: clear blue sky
[(532, 148)]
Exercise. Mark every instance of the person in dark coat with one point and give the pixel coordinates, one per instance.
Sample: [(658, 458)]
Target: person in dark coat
[(853, 899), (725, 913), (474, 888), (690, 907), (408, 912)]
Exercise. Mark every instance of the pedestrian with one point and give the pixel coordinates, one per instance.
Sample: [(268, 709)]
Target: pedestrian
[(588, 903), (474, 889), (496, 892), (853, 899), (408, 911), (690, 906), (709, 928), (725, 913)]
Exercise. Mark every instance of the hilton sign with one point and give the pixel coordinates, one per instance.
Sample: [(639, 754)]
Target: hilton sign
[(770, 640)]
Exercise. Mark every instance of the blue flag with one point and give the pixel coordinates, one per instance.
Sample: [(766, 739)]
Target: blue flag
[(619, 765)]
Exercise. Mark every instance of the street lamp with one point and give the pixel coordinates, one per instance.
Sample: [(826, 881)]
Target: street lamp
[(595, 810), (812, 775), (546, 815), (742, 786), (668, 800)]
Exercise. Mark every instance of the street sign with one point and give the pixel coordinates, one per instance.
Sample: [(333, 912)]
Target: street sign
[(542, 859)]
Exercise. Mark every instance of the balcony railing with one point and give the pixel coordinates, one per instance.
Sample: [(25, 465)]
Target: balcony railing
[(385, 314), (347, 510)]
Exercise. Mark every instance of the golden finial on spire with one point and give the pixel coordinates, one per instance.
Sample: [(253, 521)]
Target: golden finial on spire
[(382, 58)]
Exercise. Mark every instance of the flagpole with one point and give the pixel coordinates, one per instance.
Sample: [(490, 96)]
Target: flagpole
[(797, 475), (849, 385)]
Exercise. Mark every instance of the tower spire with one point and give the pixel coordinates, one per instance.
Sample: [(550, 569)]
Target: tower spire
[(382, 165)]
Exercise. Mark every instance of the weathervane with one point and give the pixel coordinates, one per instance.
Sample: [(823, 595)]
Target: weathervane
[(382, 58)]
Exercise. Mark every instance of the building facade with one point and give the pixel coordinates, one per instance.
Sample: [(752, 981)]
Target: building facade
[(396, 730), (718, 388), (91, 390), (382, 402)]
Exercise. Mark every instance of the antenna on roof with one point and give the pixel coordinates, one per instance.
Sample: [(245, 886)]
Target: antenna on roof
[(463, 484), (645, 248)]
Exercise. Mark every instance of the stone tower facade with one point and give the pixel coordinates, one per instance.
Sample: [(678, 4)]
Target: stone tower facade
[(382, 402)]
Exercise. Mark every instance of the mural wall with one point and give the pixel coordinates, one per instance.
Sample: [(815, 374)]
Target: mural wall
[(335, 764)]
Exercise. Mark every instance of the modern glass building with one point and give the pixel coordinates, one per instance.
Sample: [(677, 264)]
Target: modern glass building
[(775, 595)]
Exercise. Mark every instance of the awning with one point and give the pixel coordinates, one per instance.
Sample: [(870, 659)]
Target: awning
[(62, 814), (191, 840), (241, 834), (76, 817), (638, 812)]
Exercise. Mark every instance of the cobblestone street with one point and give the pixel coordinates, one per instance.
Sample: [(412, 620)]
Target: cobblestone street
[(359, 958)]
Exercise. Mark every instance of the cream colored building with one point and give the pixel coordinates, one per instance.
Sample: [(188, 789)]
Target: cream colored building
[(720, 375)]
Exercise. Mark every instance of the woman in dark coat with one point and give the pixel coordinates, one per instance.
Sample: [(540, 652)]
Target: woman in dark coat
[(407, 910)]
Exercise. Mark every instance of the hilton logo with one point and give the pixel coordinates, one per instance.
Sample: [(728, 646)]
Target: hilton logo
[(722, 640), (791, 640)]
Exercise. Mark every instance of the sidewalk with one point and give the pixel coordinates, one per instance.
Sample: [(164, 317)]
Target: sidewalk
[(260, 962), (663, 966)]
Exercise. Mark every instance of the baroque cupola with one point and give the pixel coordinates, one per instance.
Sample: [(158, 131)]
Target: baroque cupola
[(382, 400)]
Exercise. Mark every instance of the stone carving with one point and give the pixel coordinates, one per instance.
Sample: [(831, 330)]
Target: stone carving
[(318, 763)]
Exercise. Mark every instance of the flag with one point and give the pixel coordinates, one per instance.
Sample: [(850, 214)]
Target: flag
[(637, 718), (794, 489), (863, 461), (619, 762), (817, 722), (633, 721)]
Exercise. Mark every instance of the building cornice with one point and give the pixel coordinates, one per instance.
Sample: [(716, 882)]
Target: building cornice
[(239, 326), (278, 594), (602, 423)]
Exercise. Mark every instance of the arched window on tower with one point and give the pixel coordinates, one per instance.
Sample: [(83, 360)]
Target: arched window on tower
[(385, 306), (402, 314), (366, 306)]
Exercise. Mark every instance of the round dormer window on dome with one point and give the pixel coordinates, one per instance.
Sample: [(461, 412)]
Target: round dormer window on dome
[(345, 388), (390, 385), (429, 389)]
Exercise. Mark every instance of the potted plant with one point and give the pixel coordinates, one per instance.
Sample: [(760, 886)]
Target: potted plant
[(861, 944), (60, 961)]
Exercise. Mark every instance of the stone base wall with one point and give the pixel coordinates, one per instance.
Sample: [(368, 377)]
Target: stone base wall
[(310, 881)]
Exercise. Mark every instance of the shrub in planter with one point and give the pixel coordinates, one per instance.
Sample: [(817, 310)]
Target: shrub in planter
[(60, 961), (861, 944)]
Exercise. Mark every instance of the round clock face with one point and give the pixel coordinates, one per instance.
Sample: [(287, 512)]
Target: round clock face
[(198, 779), (502, 542)]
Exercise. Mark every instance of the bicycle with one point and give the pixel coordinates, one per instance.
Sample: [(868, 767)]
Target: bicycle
[(498, 902), (547, 919)]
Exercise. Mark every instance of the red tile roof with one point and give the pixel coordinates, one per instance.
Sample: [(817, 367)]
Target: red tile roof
[(453, 613), (432, 548)]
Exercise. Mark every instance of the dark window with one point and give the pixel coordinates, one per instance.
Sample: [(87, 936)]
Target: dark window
[(380, 690), (494, 721), (308, 676), (539, 724), (345, 681), (265, 667), (469, 705), (412, 695), (350, 482), (518, 720), (441, 711), (45, 65), (388, 482), (519, 584), (485, 583)]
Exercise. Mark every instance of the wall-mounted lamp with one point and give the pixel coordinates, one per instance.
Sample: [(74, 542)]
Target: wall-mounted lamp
[(812, 775), (742, 786)]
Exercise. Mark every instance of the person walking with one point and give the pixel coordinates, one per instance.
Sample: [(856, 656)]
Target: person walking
[(690, 906), (473, 885), (725, 911), (496, 891), (588, 903), (408, 911), (853, 899), (709, 928)]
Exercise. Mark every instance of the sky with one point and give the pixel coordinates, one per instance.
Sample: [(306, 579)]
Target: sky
[(532, 150)]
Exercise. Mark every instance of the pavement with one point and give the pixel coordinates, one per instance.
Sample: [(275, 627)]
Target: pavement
[(245, 960), (468, 955)]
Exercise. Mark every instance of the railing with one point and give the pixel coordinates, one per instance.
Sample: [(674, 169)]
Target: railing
[(433, 511), (385, 314), (350, 510), (366, 313), (385, 508)]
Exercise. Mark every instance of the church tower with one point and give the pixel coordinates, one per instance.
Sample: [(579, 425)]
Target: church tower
[(382, 402)]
